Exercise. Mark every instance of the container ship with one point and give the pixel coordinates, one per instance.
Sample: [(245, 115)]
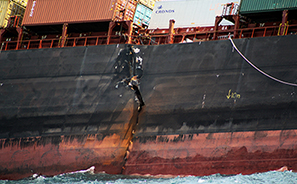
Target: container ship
[(187, 87)]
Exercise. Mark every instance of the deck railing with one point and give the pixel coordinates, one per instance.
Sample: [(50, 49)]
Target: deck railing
[(149, 39)]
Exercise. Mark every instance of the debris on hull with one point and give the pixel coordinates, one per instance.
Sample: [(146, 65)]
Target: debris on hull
[(198, 109)]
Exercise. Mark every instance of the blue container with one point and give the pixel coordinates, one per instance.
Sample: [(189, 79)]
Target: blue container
[(142, 15)]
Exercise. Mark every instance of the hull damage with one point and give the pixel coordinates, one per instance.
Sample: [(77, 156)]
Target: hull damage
[(64, 110), (206, 110)]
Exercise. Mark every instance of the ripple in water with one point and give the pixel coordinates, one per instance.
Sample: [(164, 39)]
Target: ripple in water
[(88, 177)]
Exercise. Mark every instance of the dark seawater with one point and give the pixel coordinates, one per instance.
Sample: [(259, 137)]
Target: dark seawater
[(271, 177)]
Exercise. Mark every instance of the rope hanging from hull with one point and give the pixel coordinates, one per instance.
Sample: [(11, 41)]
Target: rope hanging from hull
[(259, 70)]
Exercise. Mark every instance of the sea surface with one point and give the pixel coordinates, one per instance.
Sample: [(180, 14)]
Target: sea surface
[(82, 177)]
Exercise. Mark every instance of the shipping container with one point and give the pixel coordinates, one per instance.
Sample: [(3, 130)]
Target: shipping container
[(188, 13), (125, 10), (148, 3), (46, 12), (9, 8), (142, 15), (257, 6), (3, 9)]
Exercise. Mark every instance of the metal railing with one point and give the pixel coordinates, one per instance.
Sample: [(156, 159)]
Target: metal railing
[(221, 35), (149, 39)]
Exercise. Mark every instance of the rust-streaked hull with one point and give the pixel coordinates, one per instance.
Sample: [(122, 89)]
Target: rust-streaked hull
[(206, 110), (59, 154), (61, 111), (210, 153)]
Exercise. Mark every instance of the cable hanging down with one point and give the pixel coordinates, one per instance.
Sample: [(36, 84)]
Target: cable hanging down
[(255, 67)]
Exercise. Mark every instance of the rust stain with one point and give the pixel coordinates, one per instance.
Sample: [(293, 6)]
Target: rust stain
[(52, 155), (43, 155), (206, 154)]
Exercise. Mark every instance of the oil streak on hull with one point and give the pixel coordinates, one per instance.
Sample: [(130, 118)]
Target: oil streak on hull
[(61, 111), (206, 110)]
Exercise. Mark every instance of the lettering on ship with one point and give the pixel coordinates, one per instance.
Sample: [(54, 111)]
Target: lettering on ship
[(232, 95), (160, 10)]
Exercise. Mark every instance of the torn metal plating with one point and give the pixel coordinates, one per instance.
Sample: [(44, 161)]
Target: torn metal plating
[(129, 70)]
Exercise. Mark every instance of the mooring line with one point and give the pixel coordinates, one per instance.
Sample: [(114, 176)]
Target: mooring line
[(259, 70)]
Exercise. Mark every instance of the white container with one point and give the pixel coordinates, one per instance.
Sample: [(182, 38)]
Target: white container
[(188, 13)]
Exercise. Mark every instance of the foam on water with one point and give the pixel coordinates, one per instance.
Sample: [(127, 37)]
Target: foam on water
[(91, 170), (88, 177)]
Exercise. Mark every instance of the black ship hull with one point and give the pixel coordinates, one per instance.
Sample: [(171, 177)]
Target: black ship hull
[(205, 107)]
